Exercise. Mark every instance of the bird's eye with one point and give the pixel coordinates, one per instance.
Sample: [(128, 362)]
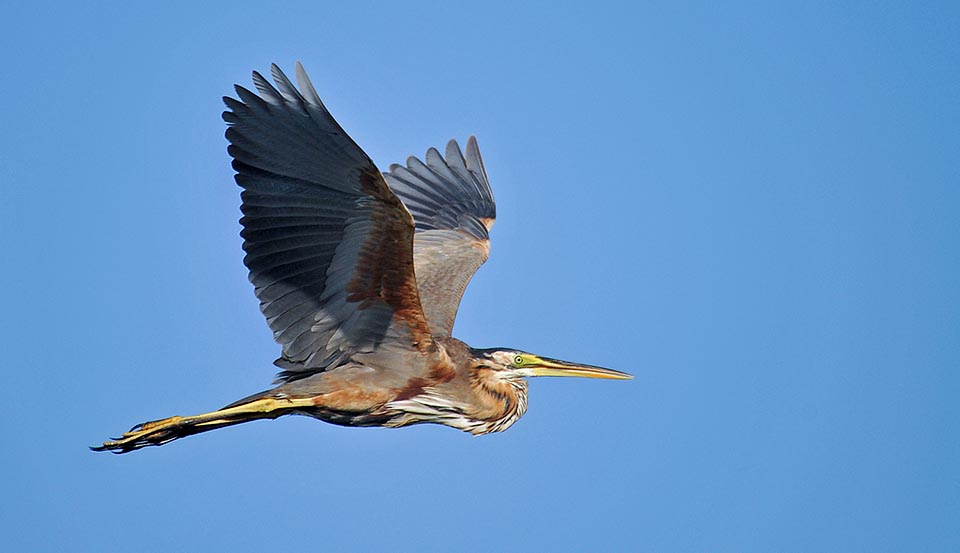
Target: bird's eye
[(518, 360)]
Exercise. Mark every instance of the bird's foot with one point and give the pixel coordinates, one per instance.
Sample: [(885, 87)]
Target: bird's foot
[(145, 434)]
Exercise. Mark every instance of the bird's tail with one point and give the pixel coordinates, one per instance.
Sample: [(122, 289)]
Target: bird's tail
[(259, 406)]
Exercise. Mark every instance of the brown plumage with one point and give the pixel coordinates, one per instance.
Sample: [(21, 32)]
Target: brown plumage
[(360, 274)]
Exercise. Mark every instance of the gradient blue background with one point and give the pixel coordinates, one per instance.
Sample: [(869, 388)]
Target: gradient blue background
[(752, 208)]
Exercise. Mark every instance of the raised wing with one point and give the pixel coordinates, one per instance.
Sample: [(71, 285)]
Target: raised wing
[(453, 208), (329, 246)]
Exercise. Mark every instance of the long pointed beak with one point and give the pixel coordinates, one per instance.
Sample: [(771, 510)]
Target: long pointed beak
[(556, 367)]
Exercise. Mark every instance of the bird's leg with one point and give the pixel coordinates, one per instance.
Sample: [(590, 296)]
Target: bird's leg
[(161, 431)]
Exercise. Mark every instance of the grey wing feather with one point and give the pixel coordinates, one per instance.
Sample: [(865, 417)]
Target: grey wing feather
[(328, 245), (453, 210)]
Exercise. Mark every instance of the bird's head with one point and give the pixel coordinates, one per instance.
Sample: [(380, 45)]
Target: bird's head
[(511, 364), (499, 385)]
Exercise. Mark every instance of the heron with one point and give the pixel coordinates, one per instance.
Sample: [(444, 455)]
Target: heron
[(360, 274)]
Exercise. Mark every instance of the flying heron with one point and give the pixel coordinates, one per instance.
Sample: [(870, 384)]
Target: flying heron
[(359, 274)]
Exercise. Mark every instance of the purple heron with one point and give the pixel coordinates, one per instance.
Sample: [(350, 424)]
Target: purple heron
[(359, 275)]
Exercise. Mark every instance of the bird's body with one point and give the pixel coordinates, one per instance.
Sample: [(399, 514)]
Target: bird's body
[(360, 275), (456, 392)]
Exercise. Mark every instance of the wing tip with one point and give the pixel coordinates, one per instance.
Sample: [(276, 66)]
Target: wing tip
[(305, 84), (473, 152)]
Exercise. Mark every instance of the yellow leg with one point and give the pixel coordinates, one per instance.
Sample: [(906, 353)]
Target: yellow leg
[(166, 430)]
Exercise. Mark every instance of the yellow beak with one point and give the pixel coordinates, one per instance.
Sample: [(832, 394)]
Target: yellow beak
[(554, 367)]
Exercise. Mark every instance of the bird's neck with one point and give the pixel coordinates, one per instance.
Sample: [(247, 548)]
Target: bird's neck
[(500, 401)]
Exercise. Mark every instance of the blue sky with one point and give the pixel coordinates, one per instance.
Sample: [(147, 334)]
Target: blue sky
[(752, 208)]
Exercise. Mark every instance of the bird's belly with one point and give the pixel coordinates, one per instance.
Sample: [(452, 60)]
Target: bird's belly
[(356, 399)]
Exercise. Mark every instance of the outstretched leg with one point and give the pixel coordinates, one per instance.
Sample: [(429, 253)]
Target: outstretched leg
[(166, 430)]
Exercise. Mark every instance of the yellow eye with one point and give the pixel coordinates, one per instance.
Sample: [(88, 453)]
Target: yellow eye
[(518, 360)]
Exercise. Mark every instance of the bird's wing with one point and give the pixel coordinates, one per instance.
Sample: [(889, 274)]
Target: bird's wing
[(453, 208), (329, 246)]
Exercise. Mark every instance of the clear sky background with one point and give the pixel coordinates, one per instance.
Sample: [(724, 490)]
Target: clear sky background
[(752, 208)]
